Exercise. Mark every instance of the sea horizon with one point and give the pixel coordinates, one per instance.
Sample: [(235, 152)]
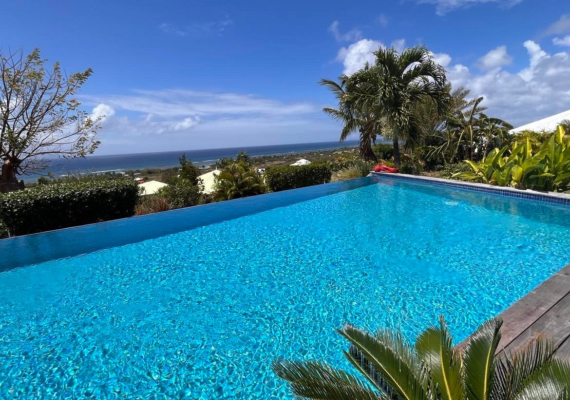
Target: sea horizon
[(169, 159)]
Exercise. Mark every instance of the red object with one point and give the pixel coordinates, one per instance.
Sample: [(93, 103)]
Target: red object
[(385, 168)]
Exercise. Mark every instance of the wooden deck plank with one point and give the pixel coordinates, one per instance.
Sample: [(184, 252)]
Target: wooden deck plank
[(555, 323), (545, 310), (528, 310)]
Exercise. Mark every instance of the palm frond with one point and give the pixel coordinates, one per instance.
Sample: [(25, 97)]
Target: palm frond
[(513, 370), (479, 360), (435, 348), (552, 382), (315, 380), (388, 361)]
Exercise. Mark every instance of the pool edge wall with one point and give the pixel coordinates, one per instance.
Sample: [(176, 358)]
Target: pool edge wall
[(41, 247)]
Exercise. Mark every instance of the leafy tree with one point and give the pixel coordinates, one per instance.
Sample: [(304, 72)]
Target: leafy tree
[(39, 117), (181, 193), (241, 158), (238, 180), (433, 369), (188, 171)]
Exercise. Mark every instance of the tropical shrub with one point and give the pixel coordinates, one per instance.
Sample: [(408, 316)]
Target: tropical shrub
[(240, 158), (181, 192), (152, 204), (383, 151), (238, 180), (62, 205), (448, 170), (4, 233), (433, 369), (547, 169), (359, 170), (293, 177), (411, 166)]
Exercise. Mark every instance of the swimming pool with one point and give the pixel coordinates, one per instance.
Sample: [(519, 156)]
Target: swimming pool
[(202, 313)]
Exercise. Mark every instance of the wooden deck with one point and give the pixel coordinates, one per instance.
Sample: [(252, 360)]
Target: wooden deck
[(545, 310)]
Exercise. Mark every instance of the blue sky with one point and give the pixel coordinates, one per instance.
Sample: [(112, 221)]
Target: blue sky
[(194, 74)]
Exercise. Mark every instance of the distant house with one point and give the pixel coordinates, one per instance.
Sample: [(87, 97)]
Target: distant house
[(547, 124), (151, 187), (302, 161), (208, 180)]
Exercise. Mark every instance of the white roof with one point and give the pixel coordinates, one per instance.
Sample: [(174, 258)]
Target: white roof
[(151, 187), (208, 180), (547, 124), (302, 161)]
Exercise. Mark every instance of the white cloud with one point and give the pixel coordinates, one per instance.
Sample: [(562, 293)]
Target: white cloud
[(349, 36), (382, 20), (442, 59), (186, 123), (197, 29), (565, 41), (398, 45), (355, 56), (102, 112), (192, 116), (540, 90), (560, 26), (495, 58), (445, 6)]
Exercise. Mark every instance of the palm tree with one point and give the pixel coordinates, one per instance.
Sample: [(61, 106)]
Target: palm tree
[(433, 369), (400, 82), (353, 118), (494, 133), (238, 180)]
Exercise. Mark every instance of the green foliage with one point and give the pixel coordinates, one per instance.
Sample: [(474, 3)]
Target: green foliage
[(293, 177), (411, 166), (181, 192), (448, 170), (547, 169), (4, 233), (359, 169), (383, 151), (433, 369), (188, 171), (40, 117), (240, 158), (56, 206), (238, 180)]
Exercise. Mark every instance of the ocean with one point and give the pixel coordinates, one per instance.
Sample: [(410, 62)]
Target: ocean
[(126, 162)]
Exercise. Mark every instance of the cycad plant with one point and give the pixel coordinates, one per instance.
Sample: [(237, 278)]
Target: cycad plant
[(238, 180), (432, 369)]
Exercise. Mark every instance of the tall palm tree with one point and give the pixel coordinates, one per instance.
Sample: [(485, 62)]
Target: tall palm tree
[(401, 81), (353, 118), (433, 369)]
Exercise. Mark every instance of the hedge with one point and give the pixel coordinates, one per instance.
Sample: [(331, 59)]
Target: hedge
[(62, 205), (290, 177)]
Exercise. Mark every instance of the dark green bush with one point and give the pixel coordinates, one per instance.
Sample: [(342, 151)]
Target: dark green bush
[(411, 167), (181, 193), (289, 177), (56, 206), (383, 151), (448, 170)]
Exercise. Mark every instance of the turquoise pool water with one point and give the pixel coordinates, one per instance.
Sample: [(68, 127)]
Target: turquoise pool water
[(202, 313)]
